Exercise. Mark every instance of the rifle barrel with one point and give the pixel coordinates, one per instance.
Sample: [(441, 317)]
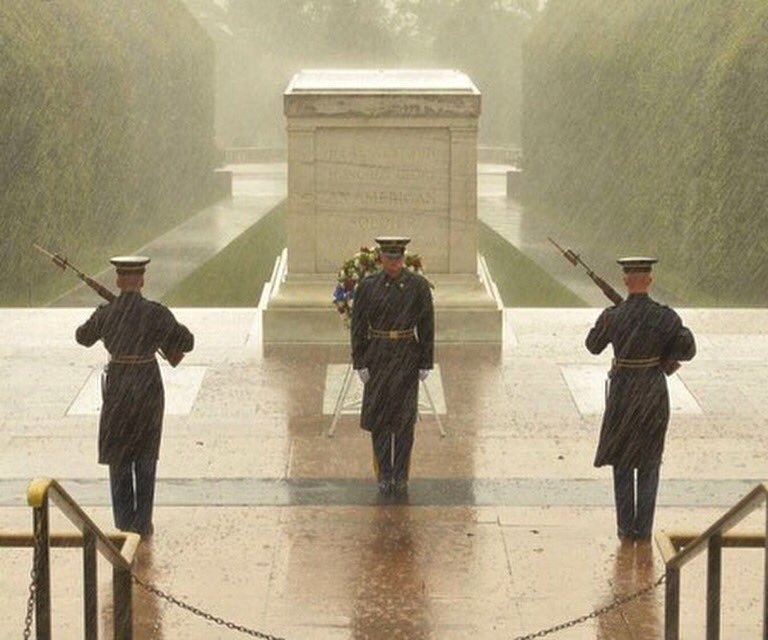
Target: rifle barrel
[(569, 255)]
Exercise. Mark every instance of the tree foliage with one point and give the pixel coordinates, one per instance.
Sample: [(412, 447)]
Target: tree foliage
[(106, 130), (645, 130), (267, 42)]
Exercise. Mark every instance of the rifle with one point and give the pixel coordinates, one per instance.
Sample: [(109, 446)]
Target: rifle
[(611, 293), (65, 264), (667, 366), (173, 357)]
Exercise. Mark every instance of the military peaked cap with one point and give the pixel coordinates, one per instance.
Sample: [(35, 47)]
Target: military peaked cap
[(130, 264), (392, 246), (637, 264)]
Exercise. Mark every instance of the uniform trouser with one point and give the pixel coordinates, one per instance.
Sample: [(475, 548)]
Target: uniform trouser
[(392, 454), (133, 494), (635, 517)]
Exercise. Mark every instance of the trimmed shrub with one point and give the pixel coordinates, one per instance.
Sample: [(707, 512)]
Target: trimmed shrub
[(644, 131), (106, 132)]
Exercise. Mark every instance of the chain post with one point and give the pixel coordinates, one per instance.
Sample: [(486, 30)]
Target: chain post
[(122, 590), (43, 582), (90, 586)]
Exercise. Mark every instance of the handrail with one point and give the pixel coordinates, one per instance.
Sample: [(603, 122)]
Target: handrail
[(41, 488), (39, 493), (732, 517), (679, 548)]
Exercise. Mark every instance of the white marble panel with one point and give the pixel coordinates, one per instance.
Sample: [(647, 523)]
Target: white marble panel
[(586, 383), (334, 381), (182, 385)]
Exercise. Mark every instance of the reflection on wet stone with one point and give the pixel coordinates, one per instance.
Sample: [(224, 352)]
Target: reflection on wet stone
[(389, 594), (633, 570)]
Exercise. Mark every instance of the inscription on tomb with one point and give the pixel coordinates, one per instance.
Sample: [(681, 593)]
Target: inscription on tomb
[(382, 181)]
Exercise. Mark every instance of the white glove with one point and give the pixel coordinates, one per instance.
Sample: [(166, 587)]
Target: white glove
[(364, 375), (423, 373)]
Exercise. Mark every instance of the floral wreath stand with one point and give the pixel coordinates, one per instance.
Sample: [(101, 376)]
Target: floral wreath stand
[(356, 403)]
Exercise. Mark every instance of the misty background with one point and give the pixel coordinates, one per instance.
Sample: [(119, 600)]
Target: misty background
[(260, 46), (641, 122)]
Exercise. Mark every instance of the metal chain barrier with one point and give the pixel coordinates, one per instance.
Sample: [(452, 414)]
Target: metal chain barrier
[(531, 636), (202, 614), (594, 614), (265, 636), (32, 586)]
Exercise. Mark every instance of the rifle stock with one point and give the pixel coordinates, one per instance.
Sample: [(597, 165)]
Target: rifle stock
[(98, 288), (610, 293)]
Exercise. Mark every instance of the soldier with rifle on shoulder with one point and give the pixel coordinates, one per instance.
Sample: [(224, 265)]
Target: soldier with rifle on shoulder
[(649, 339), (132, 329)]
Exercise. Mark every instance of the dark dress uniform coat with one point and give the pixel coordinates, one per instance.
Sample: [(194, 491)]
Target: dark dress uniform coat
[(637, 407), (131, 420), (390, 397)]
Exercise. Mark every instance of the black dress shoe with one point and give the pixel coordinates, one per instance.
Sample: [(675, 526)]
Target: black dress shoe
[(625, 536), (401, 487), (385, 487), (144, 532)]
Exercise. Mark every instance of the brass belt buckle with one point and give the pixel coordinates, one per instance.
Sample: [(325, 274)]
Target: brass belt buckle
[(393, 334)]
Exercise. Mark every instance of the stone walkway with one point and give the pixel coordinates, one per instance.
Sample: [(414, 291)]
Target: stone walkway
[(264, 520)]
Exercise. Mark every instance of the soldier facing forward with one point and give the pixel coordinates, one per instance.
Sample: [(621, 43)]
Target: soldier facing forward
[(645, 336), (133, 329), (392, 349)]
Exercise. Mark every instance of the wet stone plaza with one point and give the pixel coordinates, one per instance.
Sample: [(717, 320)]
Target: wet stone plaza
[(264, 520)]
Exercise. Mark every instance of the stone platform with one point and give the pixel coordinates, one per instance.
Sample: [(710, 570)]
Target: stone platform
[(299, 310), (264, 520)]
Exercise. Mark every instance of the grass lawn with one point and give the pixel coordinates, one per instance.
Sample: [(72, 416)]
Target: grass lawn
[(520, 281), (236, 275)]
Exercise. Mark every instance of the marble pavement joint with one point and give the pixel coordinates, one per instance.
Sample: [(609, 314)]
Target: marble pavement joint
[(182, 385), (586, 382)]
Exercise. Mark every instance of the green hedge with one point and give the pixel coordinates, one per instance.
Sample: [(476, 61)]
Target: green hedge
[(644, 130), (106, 131), (519, 280)]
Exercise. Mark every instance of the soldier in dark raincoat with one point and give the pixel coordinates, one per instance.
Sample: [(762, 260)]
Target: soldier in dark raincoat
[(646, 337), (392, 349), (133, 329)]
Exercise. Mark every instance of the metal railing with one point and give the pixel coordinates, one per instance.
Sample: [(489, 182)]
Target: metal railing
[(680, 547), (92, 540)]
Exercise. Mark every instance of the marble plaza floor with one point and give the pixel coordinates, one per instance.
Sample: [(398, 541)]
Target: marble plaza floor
[(264, 520)]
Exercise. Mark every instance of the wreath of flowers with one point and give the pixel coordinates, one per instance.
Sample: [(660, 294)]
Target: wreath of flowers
[(364, 263)]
